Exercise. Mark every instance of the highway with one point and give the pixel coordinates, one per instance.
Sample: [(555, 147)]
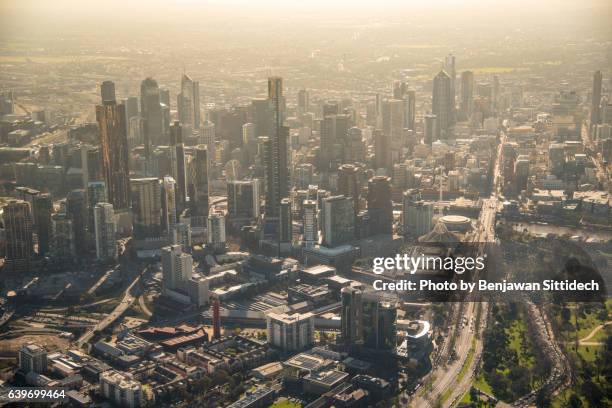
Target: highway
[(126, 302), (450, 379)]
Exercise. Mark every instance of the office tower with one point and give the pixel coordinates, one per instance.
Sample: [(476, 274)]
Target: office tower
[(337, 220), (7, 103), (354, 147), (181, 235), (243, 199), (286, 221), (290, 332), (107, 91), (105, 230), (380, 206), (348, 183), (382, 150), (17, 219), (91, 164), (410, 110), (168, 204), (164, 96), (216, 231), (430, 131), (276, 155), (121, 389), (261, 116), (177, 163), (248, 133), (303, 101), (467, 94), (393, 119), (379, 331), (64, 246), (208, 138), (114, 152), (441, 104), (32, 358), (198, 190), (96, 193), (596, 100), (151, 113), (28, 195), (311, 227), (521, 172), (556, 158), (189, 103), (216, 318), (417, 215), (449, 68), (146, 207), (42, 210), (131, 107), (177, 268), (76, 209), (327, 133), (303, 175), (351, 319)]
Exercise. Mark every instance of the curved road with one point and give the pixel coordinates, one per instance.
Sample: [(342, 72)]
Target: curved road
[(124, 305)]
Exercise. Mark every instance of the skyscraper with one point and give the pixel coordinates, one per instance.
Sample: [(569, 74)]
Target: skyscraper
[(76, 209), (105, 230), (380, 206), (43, 208), (168, 204), (216, 231), (146, 207), (17, 219), (114, 151), (276, 157), (596, 100), (311, 228), (351, 315), (303, 101), (243, 199), (177, 163), (449, 68), (382, 150), (441, 104), (348, 183), (198, 190), (366, 321), (188, 103), (286, 221), (290, 332), (337, 220), (410, 109), (430, 131), (177, 268), (354, 146), (393, 119), (467, 94), (151, 112), (63, 248)]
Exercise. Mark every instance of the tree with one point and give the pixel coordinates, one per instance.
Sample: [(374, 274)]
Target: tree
[(574, 401), (474, 395)]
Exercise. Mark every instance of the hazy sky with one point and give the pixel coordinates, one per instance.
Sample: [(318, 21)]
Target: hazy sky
[(22, 16)]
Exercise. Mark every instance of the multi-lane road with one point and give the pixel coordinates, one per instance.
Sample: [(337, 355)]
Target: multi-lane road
[(450, 379)]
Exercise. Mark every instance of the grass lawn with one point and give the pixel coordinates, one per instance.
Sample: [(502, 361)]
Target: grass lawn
[(482, 385)]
